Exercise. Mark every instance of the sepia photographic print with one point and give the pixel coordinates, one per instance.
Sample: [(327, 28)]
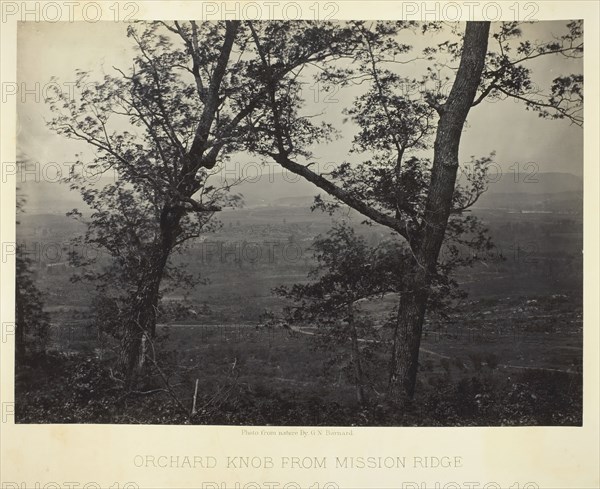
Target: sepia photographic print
[(301, 221), (370, 223)]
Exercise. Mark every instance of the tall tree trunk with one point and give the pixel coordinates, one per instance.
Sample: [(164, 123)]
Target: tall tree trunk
[(141, 326), (413, 300), (407, 335), (358, 373)]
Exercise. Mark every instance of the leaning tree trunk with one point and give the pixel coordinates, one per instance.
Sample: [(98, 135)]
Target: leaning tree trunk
[(357, 365), (141, 325), (413, 301), (407, 334)]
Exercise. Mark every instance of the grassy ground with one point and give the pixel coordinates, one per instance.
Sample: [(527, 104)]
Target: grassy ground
[(511, 355), (503, 361)]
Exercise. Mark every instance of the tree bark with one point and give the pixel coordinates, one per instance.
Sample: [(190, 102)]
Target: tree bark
[(407, 336), (413, 300), (358, 373), (141, 326)]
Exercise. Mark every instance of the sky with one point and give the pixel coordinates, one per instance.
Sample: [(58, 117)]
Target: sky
[(57, 50)]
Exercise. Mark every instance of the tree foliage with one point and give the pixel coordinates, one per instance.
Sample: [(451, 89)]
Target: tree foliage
[(199, 92), (407, 179), (31, 321)]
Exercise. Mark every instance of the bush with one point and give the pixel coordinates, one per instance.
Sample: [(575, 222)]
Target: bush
[(56, 388)]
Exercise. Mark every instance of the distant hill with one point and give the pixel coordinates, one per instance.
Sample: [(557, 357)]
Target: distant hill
[(511, 188), (286, 189), (57, 198), (53, 197), (277, 189), (535, 183), (548, 192)]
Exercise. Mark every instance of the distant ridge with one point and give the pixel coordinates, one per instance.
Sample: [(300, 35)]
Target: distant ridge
[(535, 183), (53, 197), (275, 189)]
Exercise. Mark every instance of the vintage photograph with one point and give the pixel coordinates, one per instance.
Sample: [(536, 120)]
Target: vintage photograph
[(299, 223)]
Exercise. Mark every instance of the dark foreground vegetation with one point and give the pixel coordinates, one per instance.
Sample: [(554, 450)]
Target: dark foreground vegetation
[(85, 393), (509, 364), (508, 354)]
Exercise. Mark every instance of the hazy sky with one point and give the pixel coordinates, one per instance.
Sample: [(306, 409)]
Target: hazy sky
[(57, 50)]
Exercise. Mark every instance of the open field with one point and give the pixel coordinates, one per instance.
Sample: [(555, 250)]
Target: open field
[(511, 353), (257, 375)]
